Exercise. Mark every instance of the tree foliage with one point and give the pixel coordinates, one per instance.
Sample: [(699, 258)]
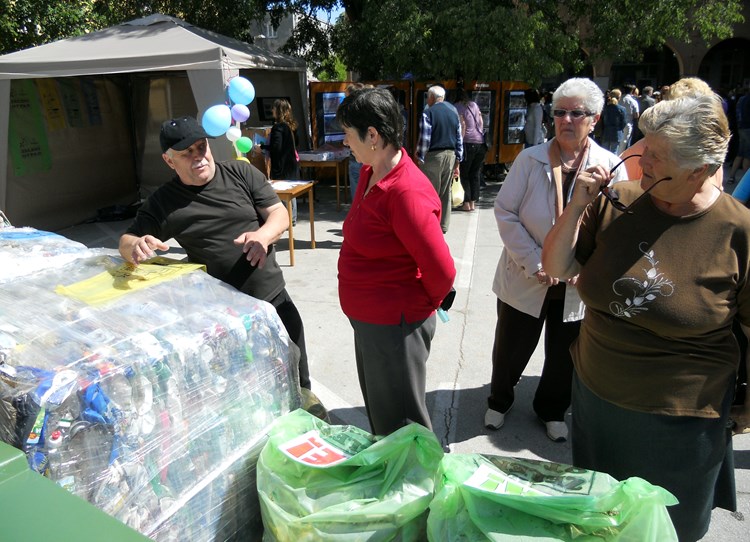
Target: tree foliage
[(27, 23), (473, 39), (623, 30), (477, 39), (228, 17)]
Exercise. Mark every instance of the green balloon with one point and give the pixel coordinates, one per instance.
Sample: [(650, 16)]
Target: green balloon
[(244, 144)]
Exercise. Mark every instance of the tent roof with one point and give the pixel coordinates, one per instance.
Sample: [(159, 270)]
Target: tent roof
[(154, 43)]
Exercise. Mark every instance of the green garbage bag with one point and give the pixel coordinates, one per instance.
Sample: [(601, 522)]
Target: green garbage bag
[(482, 497), (326, 482)]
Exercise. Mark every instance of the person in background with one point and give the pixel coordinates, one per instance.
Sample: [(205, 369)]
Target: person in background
[(663, 280), (548, 119), (733, 96), (225, 215), (282, 147), (354, 166), (394, 267), (630, 104), (529, 297), (645, 100), (440, 148), (613, 122), (664, 91), (533, 129), (742, 159), (472, 132), (742, 191)]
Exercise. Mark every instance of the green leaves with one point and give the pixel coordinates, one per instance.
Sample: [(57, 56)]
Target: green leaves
[(385, 39), (477, 39), (621, 31)]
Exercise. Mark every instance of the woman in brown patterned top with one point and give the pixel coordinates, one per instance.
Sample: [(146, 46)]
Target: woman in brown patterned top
[(663, 274)]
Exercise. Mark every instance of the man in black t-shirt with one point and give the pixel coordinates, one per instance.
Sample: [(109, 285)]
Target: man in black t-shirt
[(225, 215)]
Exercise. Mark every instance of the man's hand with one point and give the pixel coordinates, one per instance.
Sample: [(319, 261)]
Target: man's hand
[(255, 245), (139, 249)]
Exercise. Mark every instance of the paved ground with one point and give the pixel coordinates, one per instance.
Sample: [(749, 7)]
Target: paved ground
[(458, 380)]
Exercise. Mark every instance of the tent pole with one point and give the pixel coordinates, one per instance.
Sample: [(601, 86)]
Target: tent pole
[(4, 150)]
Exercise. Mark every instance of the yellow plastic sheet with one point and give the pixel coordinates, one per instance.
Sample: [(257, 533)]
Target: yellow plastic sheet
[(126, 278)]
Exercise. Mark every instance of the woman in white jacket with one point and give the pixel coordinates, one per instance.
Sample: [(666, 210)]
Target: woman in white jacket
[(533, 195)]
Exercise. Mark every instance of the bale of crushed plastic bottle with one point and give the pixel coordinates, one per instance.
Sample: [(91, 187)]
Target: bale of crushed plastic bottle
[(25, 251), (146, 391)]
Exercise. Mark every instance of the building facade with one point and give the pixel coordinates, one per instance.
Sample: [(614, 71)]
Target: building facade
[(723, 64)]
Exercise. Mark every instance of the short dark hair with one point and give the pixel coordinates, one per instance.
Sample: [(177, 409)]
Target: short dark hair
[(374, 107)]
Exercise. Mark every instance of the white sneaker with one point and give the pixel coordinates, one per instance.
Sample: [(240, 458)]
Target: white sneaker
[(557, 431), (494, 419)]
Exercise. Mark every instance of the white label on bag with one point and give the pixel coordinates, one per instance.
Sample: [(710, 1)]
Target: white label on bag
[(495, 481), (311, 449)]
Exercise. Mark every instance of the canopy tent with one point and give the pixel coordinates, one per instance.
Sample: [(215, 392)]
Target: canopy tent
[(79, 117)]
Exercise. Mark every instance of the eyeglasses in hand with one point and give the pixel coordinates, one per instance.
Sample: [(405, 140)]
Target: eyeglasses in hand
[(614, 198)]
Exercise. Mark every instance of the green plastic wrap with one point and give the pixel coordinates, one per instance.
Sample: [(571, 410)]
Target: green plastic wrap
[(481, 497), (326, 482)]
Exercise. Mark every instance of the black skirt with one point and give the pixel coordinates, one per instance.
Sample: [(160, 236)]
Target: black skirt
[(690, 457)]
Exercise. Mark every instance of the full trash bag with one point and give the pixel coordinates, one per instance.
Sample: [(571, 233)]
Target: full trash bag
[(482, 497), (326, 482)]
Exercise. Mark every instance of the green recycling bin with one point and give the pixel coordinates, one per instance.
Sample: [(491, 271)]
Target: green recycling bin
[(35, 509)]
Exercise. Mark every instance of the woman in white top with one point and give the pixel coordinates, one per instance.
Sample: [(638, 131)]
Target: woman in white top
[(533, 195)]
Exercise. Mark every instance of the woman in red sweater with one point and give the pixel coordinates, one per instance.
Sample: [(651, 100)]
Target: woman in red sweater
[(395, 267)]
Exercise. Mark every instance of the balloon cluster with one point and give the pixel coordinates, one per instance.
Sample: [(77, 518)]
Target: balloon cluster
[(217, 119)]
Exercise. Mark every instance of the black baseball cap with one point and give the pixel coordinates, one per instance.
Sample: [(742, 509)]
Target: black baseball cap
[(180, 133)]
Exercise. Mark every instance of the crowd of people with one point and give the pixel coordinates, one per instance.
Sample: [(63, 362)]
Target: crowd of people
[(642, 338)]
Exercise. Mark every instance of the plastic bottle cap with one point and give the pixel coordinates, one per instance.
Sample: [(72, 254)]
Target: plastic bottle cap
[(55, 438)]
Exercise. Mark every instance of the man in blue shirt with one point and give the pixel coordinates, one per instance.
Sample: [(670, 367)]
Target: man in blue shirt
[(440, 148)]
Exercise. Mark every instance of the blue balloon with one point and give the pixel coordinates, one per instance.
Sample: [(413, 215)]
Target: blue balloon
[(217, 119), (241, 91)]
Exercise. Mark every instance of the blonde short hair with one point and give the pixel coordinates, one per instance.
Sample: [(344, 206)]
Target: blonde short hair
[(688, 86)]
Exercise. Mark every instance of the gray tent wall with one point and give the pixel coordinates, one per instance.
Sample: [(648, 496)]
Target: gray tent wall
[(143, 71)]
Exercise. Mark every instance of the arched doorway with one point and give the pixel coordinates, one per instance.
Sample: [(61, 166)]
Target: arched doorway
[(727, 64), (658, 67)]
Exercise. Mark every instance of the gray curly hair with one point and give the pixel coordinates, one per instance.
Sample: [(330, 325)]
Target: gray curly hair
[(695, 127)]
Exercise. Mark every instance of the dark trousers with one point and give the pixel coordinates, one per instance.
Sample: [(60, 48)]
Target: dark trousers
[(516, 337), (292, 321), (689, 457), (392, 370), (471, 167)]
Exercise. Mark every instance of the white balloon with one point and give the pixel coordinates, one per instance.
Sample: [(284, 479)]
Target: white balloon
[(234, 133)]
